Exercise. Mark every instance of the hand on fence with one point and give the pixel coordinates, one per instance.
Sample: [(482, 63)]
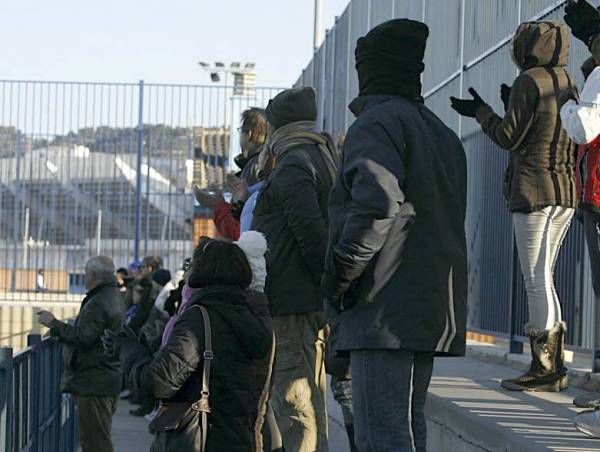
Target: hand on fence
[(505, 95), (583, 19), (466, 107)]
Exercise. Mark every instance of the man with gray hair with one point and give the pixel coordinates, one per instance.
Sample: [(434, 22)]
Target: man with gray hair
[(93, 378)]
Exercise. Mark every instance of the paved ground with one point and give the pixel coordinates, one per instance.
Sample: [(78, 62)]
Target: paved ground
[(466, 401), (130, 434)]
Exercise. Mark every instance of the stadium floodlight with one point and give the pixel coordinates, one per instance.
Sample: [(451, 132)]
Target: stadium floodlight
[(214, 76), (235, 65), (250, 66), (219, 64), (203, 64)]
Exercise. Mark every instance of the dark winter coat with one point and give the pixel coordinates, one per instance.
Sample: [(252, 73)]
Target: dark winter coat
[(251, 170), (397, 252), (174, 374), (542, 157), (292, 213), (88, 371), (145, 292)]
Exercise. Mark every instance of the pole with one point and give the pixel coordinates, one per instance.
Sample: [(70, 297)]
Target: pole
[(318, 31), (138, 173), (98, 232), (17, 213), (25, 238)]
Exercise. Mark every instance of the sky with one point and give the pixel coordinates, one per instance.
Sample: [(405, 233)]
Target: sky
[(156, 40)]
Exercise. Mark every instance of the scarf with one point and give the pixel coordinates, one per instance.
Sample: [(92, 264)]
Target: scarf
[(304, 132), (187, 294)]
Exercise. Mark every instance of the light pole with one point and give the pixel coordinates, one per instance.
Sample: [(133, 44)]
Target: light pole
[(318, 29), (244, 80)]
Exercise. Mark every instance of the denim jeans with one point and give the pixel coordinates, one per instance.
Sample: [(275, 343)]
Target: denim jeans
[(389, 388), (341, 389), (539, 236)]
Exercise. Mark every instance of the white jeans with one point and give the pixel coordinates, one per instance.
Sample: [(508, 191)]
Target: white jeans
[(539, 236)]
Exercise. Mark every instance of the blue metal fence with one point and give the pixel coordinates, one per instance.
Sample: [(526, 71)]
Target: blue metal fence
[(34, 415)]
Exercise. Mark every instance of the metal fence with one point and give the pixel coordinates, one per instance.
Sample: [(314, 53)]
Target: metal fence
[(468, 46), (107, 168), (34, 415)]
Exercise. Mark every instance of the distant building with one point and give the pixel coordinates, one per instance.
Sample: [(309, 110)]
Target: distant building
[(211, 156)]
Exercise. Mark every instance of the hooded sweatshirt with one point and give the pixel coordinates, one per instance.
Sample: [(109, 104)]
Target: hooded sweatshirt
[(254, 245), (541, 171)]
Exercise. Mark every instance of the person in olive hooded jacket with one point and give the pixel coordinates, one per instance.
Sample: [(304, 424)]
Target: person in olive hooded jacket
[(540, 185)]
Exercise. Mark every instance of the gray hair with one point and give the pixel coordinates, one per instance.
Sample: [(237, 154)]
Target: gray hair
[(102, 267)]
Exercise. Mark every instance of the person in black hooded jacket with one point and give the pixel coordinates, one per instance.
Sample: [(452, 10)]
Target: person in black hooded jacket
[(291, 211), (218, 281), (396, 267)]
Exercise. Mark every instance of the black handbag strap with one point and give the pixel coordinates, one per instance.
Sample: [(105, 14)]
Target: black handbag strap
[(202, 405)]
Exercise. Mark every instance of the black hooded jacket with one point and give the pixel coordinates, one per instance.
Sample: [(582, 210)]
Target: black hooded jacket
[(174, 374), (397, 250)]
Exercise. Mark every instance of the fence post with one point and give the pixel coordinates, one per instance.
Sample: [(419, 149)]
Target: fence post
[(6, 373), (516, 346), (138, 172), (33, 340)]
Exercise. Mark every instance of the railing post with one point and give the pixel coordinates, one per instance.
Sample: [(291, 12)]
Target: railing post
[(515, 345), (138, 170), (6, 373), (33, 341)]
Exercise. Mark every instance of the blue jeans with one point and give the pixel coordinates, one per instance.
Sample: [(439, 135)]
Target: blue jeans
[(389, 388)]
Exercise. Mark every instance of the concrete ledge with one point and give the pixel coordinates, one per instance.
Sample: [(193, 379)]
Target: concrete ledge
[(467, 411)]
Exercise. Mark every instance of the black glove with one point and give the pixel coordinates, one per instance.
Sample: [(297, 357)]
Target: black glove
[(566, 95), (113, 342), (583, 19), (505, 95), (467, 107)]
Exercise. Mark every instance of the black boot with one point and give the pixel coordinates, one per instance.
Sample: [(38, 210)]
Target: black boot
[(547, 369), (560, 358)]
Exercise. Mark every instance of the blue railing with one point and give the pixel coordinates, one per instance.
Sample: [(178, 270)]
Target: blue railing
[(34, 415)]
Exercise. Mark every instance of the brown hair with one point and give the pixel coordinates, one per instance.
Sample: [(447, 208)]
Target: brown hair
[(255, 121)]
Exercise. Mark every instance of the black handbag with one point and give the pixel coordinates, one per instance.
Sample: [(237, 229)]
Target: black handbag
[(170, 416)]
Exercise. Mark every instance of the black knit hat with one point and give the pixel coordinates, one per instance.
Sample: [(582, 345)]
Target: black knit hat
[(292, 105), (161, 276), (389, 58)]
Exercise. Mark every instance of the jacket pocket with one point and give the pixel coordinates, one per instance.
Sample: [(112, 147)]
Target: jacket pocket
[(288, 355)]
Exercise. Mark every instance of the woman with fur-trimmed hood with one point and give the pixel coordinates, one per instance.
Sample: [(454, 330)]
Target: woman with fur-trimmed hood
[(540, 185)]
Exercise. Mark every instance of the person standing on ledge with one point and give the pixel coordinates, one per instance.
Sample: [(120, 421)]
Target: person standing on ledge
[(396, 266)]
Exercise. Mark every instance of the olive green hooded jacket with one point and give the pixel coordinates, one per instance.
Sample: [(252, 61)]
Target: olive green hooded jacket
[(542, 164)]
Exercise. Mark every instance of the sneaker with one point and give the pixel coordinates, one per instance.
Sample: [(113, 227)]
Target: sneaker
[(125, 394), (150, 416), (588, 422), (589, 400)]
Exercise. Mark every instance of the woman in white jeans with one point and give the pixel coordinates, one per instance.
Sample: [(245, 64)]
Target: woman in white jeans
[(539, 185)]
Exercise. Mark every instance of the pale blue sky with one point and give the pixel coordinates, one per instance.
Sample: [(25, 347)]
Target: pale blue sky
[(158, 41)]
